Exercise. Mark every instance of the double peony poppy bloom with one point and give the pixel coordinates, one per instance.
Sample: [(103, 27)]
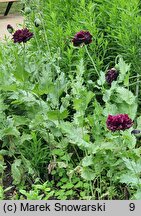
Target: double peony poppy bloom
[(111, 75), (119, 122), (82, 38), (22, 35)]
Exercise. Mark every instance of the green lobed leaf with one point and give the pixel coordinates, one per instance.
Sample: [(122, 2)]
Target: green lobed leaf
[(130, 179), (125, 108), (88, 174), (123, 68), (129, 140), (12, 131), (87, 161), (133, 166), (74, 134), (16, 172), (125, 95), (69, 185), (137, 195), (110, 109), (139, 123), (57, 115), (101, 79)]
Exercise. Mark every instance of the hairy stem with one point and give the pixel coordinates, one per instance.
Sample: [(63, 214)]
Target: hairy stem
[(94, 65)]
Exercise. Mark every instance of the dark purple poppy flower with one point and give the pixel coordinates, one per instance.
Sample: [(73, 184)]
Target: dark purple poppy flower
[(82, 37), (22, 35), (10, 29), (118, 122), (111, 75)]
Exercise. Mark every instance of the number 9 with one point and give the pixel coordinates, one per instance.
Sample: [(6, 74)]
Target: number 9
[(132, 206)]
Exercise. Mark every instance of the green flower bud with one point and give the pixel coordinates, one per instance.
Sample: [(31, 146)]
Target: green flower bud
[(27, 10), (117, 67), (10, 29), (37, 22)]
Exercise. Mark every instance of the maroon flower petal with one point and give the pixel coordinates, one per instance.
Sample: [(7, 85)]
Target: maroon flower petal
[(111, 75), (119, 122), (82, 37), (22, 35)]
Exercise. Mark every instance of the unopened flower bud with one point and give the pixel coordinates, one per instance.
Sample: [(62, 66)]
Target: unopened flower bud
[(27, 10), (111, 75), (37, 22), (117, 67), (135, 131), (10, 29)]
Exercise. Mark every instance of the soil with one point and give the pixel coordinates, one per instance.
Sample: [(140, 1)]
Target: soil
[(7, 180)]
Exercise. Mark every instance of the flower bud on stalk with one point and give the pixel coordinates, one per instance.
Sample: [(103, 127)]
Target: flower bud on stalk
[(10, 29), (27, 10), (136, 133), (37, 22), (111, 75)]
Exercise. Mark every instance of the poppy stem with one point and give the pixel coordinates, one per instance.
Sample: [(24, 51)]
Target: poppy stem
[(134, 76), (24, 54), (94, 65), (45, 35), (134, 83), (137, 86)]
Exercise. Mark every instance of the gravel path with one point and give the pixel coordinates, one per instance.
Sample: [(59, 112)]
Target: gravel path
[(11, 19)]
